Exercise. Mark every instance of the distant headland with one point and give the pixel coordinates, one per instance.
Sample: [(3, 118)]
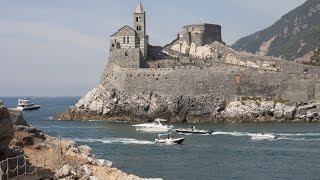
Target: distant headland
[(196, 78)]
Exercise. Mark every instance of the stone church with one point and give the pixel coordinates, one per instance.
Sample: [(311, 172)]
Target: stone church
[(129, 46)]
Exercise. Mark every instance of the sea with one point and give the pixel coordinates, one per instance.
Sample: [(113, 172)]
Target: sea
[(233, 151)]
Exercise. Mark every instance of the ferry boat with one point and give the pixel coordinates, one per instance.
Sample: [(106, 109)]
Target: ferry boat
[(25, 104)]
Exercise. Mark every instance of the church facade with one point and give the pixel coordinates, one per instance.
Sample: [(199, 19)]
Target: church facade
[(129, 46)]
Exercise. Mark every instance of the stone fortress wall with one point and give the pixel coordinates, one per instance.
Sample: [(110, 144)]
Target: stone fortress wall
[(220, 81)]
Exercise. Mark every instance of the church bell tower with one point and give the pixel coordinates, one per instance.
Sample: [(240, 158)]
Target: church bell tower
[(140, 27)]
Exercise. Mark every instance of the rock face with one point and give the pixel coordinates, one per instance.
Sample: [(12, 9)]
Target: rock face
[(17, 117), (114, 105), (6, 131), (294, 36)]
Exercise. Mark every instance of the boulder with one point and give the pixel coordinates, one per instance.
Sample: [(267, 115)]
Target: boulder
[(86, 150), (289, 112), (17, 117), (65, 171), (6, 131), (105, 163)]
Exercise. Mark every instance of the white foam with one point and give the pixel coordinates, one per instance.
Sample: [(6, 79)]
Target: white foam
[(300, 134), (235, 133), (114, 140)]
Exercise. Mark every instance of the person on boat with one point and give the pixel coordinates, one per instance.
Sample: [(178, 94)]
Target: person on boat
[(193, 128)]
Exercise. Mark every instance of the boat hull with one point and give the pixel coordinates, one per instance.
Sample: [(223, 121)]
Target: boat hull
[(170, 141), (193, 132), (29, 108)]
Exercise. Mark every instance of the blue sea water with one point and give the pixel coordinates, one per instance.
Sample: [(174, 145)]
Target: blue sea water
[(232, 152)]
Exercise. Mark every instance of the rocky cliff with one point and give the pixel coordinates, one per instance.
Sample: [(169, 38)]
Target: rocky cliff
[(295, 35), (6, 131), (112, 105)]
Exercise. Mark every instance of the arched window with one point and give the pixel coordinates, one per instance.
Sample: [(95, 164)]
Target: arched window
[(138, 28), (124, 40), (128, 39), (137, 19)]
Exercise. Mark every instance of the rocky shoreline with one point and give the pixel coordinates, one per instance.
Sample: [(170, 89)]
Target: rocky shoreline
[(53, 158), (110, 104)]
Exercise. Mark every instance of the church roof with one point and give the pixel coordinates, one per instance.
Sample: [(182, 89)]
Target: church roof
[(139, 8), (125, 31)]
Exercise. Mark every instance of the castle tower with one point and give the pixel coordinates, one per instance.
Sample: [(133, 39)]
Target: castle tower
[(140, 27)]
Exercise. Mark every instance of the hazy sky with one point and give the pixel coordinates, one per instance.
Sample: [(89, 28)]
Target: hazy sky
[(60, 47)]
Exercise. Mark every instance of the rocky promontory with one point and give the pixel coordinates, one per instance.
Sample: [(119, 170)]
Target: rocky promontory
[(226, 86), (114, 105)]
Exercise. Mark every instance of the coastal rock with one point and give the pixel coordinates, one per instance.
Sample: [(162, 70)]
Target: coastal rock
[(278, 110), (17, 117), (6, 131), (65, 171), (289, 112)]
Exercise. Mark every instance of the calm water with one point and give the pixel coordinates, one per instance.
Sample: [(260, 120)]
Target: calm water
[(233, 152)]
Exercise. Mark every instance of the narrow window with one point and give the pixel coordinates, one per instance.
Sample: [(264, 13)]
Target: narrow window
[(137, 19), (126, 53), (124, 40), (137, 28), (128, 40)]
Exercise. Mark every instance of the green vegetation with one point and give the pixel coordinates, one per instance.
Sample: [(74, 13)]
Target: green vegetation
[(296, 33)]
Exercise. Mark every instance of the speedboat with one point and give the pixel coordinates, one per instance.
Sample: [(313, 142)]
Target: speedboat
[(155, 126), (25, 104), (168, 139), (193, 130)]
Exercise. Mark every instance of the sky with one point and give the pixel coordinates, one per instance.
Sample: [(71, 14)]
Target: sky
[(60, 47)]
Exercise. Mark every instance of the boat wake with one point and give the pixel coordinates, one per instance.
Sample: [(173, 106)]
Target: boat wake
[(273, 136), (112, 140)]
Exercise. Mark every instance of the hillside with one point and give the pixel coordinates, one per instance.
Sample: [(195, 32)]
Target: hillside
[(295, 35)]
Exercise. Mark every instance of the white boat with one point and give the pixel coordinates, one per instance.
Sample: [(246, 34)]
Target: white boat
[(168, 139), (25, 104), (155, 126), (193, 130)]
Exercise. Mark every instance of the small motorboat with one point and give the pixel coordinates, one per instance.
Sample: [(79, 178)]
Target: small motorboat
[(193, 130), (25, 104), (168, 139), (155, 126)]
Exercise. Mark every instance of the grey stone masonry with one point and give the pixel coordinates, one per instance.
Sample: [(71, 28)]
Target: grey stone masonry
[(129, 46), (201, 34)]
